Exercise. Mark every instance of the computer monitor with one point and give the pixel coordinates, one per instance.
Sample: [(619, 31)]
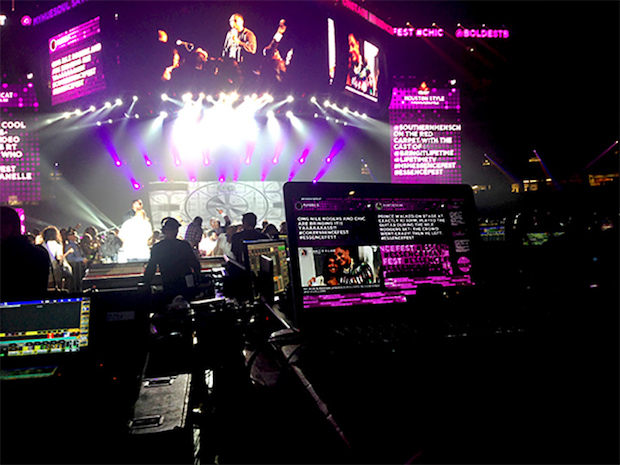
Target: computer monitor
[(274, 262), (374, 245), (35, 330)]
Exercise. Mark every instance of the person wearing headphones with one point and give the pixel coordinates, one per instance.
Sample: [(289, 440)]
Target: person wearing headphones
[(178, 265)]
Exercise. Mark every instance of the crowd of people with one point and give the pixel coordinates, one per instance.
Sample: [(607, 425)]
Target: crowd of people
[(63, 255)]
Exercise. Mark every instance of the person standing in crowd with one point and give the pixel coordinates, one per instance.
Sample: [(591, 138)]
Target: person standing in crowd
[(76, 260), (90, 245), (224, 243), (217, 224), (24, 267), (248, 233), (271, 231), (178, 265), (61, 272), (193, 233), (135, 234), (208, 243), (111, 246)]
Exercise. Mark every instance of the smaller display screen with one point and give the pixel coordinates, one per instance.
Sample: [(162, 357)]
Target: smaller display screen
[(41, 327), (76, 62), (276, 251), (360, 64)]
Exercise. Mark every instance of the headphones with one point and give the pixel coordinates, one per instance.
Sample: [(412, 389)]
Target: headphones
[(170, 223)]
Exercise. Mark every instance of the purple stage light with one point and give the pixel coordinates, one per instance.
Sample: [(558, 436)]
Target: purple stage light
[(320, 174), (304, 155), (276, 156), (26, 20), (338, 146), (249, 152)]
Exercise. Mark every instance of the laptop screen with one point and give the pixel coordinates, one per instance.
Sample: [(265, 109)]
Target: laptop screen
[(355, 244), (39, 328)]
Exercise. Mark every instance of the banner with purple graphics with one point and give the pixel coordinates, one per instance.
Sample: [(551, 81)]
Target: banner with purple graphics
[(76, 62), (425, 142), (18, 96), (20, 177)]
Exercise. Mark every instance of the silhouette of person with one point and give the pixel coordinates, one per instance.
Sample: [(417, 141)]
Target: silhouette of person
[(24, 267), (178, 265), (249, 233)]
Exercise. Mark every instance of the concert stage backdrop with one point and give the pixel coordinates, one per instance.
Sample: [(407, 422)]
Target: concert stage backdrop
[(185, 201)]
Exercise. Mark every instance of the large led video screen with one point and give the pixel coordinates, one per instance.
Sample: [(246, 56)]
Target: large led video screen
[(213, 47), (101, 50)]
